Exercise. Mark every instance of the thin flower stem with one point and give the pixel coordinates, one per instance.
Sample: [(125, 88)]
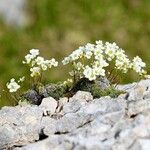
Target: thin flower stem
[(114, 78), (110, 74)]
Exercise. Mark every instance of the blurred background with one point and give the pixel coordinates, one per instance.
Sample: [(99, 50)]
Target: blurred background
[(57, 27)]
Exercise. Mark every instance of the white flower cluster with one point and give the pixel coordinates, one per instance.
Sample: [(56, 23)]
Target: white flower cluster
[(91, 60), (138, 65), (38, 63), (13, 86), (67, 82)]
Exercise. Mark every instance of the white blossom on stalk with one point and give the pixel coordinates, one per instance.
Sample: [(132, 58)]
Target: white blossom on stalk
[(66, 61), (54, 62), (120, 54), (88, 54), (28, 59), (38, 63), (35, 71), (89, 47), (99, 42), (44, 67), (138, 65), (101, 61), (123, 65), (68, 81), (13, 86), (99, 71), (75, 55), (89, 73), (98, 56), (34, 52), (39, 60), (99, 47), (78, 65), (122, 61), (110, 50)]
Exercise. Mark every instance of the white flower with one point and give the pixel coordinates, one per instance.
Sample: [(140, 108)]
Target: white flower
[(120, 54), (39, 60), (65, 83), (35, 71), (44, 66), (100, 61), (89, 47), (96, 57), (66, 60), (28, 59), (76, 55), (47, 63), (88, 54), (89, 73), (54, 62), (97, 52), (99, 42), (69, 80), (98, 48), (110, 50), (34, 52), (138, 65), (21, 79), (123, 65), (99, 71), (122, 62), (13, 86), (78, 65)]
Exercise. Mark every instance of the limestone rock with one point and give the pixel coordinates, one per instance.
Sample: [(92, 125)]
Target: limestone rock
[(136, 107), (141, 144), (73, 106), (48, 105), (82, 123), (137, 93), (146, 94), (19, 125), (82, 95), (63, 100), (61, 103)]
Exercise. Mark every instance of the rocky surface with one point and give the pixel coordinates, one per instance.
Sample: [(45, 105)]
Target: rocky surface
[(81, 122)]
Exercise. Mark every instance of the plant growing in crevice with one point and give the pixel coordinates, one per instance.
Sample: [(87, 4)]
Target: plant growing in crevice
[(91, 71), (94, 61), (14, 86), (37, 65)]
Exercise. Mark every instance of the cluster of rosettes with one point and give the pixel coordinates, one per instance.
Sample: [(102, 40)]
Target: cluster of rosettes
[(38, 63), (13, 86), (90, 61)]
